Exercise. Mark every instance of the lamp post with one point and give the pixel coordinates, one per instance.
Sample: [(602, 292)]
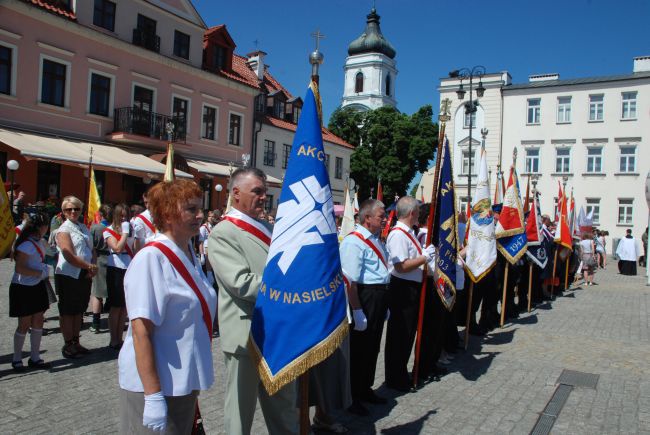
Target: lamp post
[(13, 166), (477, 71), (218, 188)]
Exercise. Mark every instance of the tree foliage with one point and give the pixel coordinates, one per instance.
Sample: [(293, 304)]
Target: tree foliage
[(390, 146)]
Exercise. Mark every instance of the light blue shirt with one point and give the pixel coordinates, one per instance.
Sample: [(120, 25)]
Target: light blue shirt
[(360, 262)]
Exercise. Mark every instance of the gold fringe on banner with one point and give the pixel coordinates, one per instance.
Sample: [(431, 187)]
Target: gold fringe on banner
[(300, 365), (510, 258), (314, 89), (476, 279)]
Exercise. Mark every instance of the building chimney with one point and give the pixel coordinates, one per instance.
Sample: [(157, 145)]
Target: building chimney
[(641, 64), (256, 62), (543, 77)]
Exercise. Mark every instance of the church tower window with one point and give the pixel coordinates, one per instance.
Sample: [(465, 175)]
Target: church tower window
[(358, 82), (388, 85)]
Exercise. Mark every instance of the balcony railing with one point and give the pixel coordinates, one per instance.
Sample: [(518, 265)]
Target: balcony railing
[(146, 39), (145, 123)]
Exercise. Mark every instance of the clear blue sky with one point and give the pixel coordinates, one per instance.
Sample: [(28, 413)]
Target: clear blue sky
[(576, 38)]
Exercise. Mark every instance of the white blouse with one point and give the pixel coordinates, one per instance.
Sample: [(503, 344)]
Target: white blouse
[(181, 343), (34, 261), (401, 248), (122, 259), (82, 244)]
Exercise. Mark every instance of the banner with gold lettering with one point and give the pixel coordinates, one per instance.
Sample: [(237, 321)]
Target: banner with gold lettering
[(7, 226), (300, 311)]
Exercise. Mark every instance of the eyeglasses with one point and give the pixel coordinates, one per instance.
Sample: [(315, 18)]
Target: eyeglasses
[(72, 209)]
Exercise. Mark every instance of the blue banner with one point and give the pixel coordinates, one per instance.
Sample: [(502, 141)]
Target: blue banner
[(300, 312), (446, 231)]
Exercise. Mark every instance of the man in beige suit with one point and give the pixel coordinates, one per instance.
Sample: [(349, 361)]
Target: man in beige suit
[(237, 249)]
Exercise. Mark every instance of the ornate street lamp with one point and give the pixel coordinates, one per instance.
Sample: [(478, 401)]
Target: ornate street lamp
[(478, 72)]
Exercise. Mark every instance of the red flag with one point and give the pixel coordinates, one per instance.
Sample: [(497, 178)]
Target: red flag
[(560, 195), (562, 233), (511, 219), (386, 229), (380, 191), (533, 225), (526, 204)]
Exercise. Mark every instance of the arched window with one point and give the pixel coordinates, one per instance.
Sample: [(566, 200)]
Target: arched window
[(358, 82), (388, 85)]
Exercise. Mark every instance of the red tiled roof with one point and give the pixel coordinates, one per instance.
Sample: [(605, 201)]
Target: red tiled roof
[(241, 72), (52, 7), (286, 125)]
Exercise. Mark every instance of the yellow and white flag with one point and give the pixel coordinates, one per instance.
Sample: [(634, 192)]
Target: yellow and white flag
[(94, 202)]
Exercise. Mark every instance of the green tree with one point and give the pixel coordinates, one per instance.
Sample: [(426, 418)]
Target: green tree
[(390, 146)]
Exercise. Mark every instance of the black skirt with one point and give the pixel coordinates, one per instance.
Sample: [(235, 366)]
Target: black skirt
[(25, 300), (74, 294), (115, 286)]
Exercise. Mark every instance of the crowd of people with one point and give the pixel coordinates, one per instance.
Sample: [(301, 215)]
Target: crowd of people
[(173, 269)]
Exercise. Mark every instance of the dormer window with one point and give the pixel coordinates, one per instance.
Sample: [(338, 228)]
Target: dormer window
[(219, 57), (278, 109), (358, 82), (218, 48)]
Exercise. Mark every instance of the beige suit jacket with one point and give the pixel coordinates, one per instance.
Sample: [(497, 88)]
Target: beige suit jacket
[(238, 259)]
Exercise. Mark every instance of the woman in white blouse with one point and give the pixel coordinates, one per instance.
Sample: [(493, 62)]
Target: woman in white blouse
[(73, 275), (120, 241), (166, 358), (27, 292)]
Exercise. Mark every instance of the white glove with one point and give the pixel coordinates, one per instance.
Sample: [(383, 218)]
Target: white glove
[(432, 264), (45, 272), (360, 321), (429, 252), (126, 227), (387, 314), (154, 416), (202, 259)]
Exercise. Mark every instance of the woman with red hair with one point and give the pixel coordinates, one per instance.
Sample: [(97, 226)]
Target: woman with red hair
[(166, 358)]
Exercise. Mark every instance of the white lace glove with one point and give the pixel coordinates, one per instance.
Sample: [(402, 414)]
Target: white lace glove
[(360, 321), (126, 227), (45, 272), (154, 416), (429, 252)]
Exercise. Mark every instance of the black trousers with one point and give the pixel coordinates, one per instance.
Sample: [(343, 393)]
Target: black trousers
[(432, 331), (404, 301), (364, 345)]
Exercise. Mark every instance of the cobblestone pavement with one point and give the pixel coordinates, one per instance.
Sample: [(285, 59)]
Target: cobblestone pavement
[(500, 385)]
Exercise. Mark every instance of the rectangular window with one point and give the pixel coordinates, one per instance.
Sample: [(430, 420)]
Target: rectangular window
[(219, 57), (209, 123), (180, 109), (53, 83), (468, 117), (465, 168), (327, 163), (462, 205), (100, 94), (594, 160), (269, 153), (563, 109), (235, 129), (562, 160), (628, 109), (593, 206), (5, 70), (338, 168), (596, 107), (278, 108), (268, 203), (104, 14), (181, 44), (534, 110), (625, 211), (627, 159), (532, 160), (285, 156)]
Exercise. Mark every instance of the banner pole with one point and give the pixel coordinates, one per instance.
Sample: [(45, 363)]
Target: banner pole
[(554, 270), (443, 118), (530, 284), (503, 299), (304, 404), (469, 311)]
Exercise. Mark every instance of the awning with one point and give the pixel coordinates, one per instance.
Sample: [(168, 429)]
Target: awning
[(77, 153), (211, 168)]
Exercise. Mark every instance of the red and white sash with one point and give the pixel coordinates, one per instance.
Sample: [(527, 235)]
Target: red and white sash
[(255, 230), (38, 248), (187, 277), (413, 240), (371, 246), (117, 237), (18, 231), (147, 222)]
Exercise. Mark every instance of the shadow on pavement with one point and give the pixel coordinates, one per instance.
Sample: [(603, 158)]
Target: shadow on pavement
[(366, 425), (525, 320), (412, 427)]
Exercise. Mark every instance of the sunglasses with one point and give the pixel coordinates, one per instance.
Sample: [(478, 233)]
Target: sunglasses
[(72, 209)]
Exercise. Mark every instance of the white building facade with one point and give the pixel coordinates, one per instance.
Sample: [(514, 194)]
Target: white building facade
[(592, 131)]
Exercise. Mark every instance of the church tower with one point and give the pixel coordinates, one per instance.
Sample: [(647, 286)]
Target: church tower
[(370, 69)]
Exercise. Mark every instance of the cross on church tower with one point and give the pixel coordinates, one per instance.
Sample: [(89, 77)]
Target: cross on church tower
[(318, 36)]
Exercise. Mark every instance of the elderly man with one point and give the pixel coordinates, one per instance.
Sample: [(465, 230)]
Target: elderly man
[(364, 262), (238, 247), (406, 260)]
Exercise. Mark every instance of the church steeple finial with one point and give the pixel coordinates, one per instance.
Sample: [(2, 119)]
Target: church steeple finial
[(372, 40)]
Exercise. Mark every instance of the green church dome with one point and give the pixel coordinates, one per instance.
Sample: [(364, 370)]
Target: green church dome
[(372, 41)]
